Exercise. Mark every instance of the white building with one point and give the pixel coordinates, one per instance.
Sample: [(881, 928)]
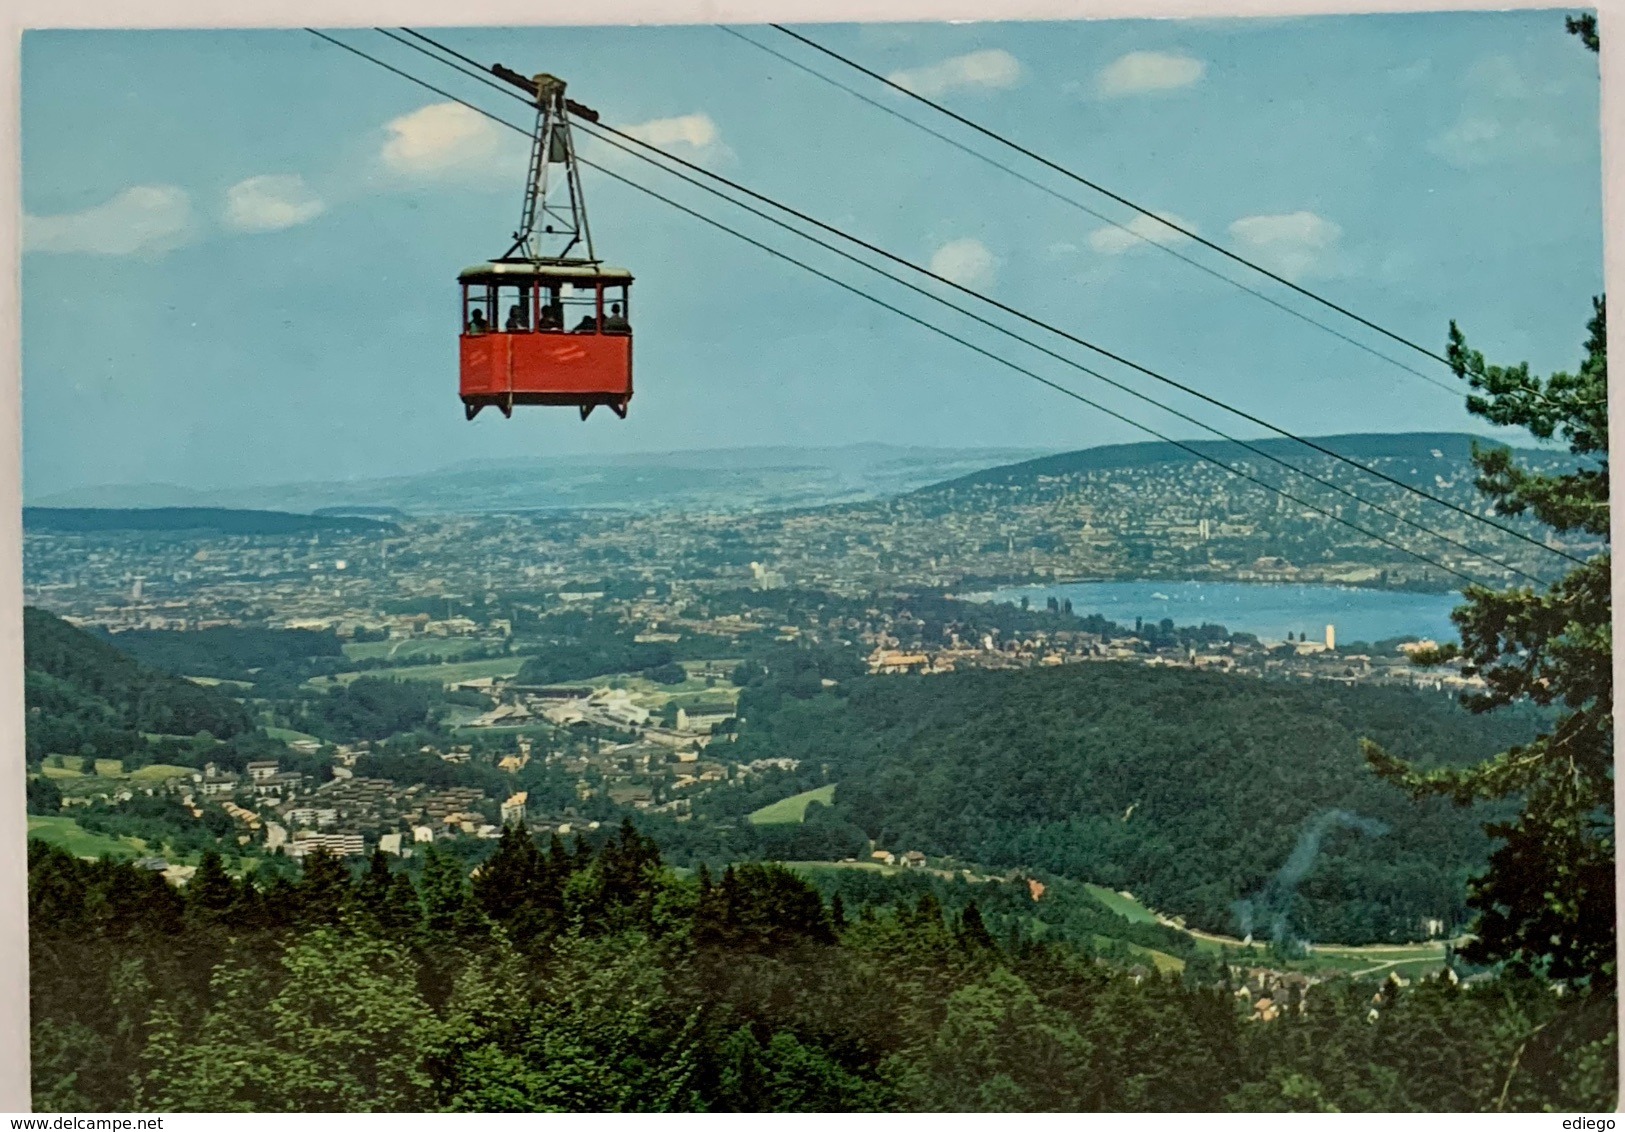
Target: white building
[(513, 810)]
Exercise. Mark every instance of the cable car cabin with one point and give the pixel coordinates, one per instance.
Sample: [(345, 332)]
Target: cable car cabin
[(546, 333)]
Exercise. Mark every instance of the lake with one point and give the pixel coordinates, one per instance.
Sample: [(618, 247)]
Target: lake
[(1268, 611)]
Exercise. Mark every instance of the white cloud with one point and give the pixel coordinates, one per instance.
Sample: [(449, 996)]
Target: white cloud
[(1293, 244), (145, 218), (980, 70), (271, 202), (1142, 72), (696, 132), (444, 138), (966, 261), (1504, 116), (1115, 240), (1497, 77)]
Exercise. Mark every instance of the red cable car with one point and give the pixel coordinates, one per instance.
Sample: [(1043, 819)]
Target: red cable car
[(539, 328)]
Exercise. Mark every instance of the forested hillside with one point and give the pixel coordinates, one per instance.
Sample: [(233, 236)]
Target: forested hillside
[(226, 652), (1193, 790), (81, 691), (1426, 453), (594, 979)]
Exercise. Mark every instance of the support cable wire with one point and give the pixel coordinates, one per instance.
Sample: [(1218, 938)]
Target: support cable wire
[(1131, 391), (1062, 389), (1290, 467), (1377, 473), (1103, 191), (1126, 229)]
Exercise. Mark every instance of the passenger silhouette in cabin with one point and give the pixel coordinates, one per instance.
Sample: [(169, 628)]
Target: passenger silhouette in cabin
[(616, 323), (477, 323), (517, 319), (552, 316), (588, 325)]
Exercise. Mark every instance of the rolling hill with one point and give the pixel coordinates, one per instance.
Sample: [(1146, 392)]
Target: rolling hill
[(81, 691), (1238, 803), (1429, 453), (77, 520)]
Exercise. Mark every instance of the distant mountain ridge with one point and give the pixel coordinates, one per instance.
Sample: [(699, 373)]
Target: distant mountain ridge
[(1449, 447), (709, 479), (75, 520)]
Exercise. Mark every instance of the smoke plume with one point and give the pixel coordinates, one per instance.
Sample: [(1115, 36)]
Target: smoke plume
[(1273, 903)]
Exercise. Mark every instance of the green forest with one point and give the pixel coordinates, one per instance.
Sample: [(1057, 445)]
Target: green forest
[(226, 653), (86, 697), (1193, 789), (595, 978)]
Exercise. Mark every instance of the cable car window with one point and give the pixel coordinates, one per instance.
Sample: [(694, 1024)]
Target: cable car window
[(581, 308), (617, 309), (514, 302), (479, 309), (550, 316)]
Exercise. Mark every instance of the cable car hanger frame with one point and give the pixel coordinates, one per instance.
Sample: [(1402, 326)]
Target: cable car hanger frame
[(531, 357)]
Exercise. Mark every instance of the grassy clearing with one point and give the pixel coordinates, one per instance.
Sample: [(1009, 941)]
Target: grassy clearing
[(1161, 961), (69, 835), (713, 701), (792, 810), (829, 866), (289, 735), (418, 646), (159, 772), (112, 769), (504, 666), (1370, 960), (221, 682), (1125, 906)]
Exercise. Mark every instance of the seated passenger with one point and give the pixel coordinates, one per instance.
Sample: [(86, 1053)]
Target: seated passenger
[(615, 323), (552, 317), (588, 325), (517, 318), (477, 323)]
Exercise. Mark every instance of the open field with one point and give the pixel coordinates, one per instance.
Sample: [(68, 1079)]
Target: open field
[(504, 666), (712, 701), (159, 772), (67, 833), (416, 646), (533, 730), (109, 768), (220, 682), (1125, 906), (792, 810), (1160, 960), (288, 735), (1406, 959)]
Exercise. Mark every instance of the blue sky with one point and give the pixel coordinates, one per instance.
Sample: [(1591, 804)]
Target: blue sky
[(241, 247)]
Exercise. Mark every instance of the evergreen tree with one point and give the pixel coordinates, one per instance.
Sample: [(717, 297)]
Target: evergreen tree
[(211, 892), (323, 892), (1547, 899), (972, 931)]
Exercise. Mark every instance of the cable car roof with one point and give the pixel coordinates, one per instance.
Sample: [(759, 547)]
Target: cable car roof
[(503, 271)]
